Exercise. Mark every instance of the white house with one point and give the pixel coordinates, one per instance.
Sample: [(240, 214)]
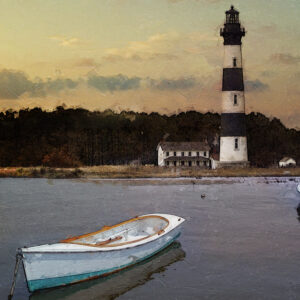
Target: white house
[(287, 162), (183, 154)]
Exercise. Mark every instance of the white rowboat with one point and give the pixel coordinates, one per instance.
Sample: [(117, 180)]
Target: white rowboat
[(99, 253), (117, 284)]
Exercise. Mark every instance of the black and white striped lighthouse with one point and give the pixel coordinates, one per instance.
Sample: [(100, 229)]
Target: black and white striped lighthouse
[(233, 141)]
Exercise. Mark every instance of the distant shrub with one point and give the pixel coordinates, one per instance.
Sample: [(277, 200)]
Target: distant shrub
[(60, 158), (19, 172), (77, 173), (34, 172)]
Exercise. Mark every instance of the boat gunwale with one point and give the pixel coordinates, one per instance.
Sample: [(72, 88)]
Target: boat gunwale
[(105, 228), (89, 249), (100, 249)]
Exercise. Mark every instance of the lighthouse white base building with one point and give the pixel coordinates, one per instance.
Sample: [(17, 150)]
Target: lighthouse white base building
[(234, 154)]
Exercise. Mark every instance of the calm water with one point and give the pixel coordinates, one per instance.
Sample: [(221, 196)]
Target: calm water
[(242, 241)]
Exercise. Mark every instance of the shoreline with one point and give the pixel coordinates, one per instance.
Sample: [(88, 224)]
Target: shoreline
[(143, 172)]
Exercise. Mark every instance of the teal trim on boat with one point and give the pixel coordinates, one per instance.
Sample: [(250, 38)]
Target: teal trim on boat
[(39, 284)]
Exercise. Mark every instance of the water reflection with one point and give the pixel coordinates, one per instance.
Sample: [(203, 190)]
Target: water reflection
[(112, 286)]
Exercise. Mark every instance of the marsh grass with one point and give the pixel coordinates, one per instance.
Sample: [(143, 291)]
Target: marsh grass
[(124, 171)]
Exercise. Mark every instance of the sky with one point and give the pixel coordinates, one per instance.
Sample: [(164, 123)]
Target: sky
[(146, 55)]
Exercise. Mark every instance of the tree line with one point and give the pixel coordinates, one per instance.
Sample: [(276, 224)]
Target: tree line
[(74, 137)]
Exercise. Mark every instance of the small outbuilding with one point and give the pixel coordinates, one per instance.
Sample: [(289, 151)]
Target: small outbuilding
[(287, 162)]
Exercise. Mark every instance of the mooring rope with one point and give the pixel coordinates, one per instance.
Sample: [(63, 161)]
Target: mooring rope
[(19, 256)]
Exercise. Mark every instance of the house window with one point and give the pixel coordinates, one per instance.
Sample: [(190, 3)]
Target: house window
[(235, 99), (205, 163), (174, 163), (190, 153), (167, 154), (182, 163), (204, 153), (198, 153), (182, 153), (198, 163), (190, 163), (234, 62), (168, 163), (174, 153), (236, 143)]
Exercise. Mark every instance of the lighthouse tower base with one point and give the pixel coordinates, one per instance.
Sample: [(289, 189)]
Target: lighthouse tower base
[(216, 164), (233, 152)]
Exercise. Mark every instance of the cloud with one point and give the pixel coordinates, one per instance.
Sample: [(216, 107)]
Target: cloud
[(122, 83), (86, 62), (66, 42), (155, 47), (13, 84), (173, 84), (255, 86), (113, 83), (293, 119), (42, 88), (285, 58), (163, 47), (136, 57)]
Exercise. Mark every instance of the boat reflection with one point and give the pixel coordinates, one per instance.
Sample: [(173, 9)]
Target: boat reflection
[(112, 286)]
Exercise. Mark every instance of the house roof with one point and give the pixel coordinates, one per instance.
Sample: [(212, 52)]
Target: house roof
[(285, 159), (187, 158), (184, 146)]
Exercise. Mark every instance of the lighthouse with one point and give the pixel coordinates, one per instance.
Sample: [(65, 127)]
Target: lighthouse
[(233, 141)]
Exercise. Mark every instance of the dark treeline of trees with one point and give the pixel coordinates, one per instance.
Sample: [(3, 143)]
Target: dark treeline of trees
[(73, 137)]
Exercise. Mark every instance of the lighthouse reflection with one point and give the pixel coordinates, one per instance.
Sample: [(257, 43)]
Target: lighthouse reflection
[(112, 286)]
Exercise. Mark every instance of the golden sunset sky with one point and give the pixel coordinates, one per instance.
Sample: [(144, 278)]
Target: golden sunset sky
[(146, 55)]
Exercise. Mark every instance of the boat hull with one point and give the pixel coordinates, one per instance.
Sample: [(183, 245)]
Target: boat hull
[(116, 284), (46, 269)]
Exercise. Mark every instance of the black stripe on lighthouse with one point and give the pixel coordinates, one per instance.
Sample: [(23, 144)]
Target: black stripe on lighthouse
[(233, 124), (233, 79)]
